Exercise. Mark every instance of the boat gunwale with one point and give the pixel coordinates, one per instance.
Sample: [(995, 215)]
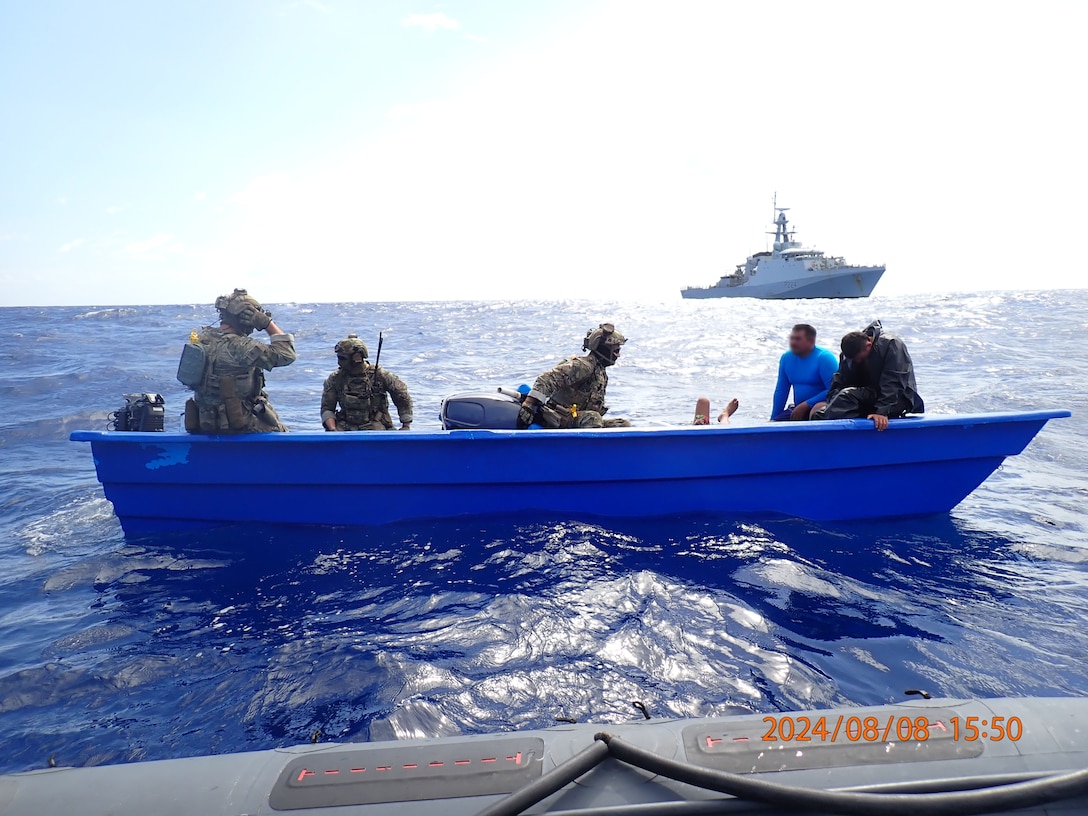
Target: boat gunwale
[(912, 423)]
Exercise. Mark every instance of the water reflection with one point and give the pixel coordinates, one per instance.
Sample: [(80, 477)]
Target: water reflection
[(467, 627)]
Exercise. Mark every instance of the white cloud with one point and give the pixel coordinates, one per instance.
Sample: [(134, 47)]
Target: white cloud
[(200, 196), (113, 209), (431, 22), (76, 244), (156, 246), (63, 201), (438, 21)]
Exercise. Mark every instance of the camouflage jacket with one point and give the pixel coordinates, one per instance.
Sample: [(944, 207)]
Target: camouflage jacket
[(578, 381), (240, 357), (363, 399)]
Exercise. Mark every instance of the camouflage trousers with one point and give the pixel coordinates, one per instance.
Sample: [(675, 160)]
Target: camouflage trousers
[(552, 418), (591, 419), (342, 425), (212, 419)]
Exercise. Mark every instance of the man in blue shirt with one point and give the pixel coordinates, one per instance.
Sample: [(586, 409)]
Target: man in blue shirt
[(807, 369)]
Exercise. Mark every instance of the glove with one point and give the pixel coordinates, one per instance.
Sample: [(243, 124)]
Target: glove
[(525, 417), (255, 317)]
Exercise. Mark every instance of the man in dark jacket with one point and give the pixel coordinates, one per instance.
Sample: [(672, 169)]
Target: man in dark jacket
[(875, 380)]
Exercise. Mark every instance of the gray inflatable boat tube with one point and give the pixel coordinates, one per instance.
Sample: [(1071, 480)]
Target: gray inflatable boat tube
[(919, 757)]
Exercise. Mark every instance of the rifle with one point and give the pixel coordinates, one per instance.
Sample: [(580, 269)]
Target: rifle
[(377, 359)]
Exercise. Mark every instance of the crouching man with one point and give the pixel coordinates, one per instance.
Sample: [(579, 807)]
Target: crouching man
[(572, 394), (362, 392), (875, 380)]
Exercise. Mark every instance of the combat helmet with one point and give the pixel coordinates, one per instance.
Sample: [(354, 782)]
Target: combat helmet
[(347, 350), (233, 305), (604, 343)]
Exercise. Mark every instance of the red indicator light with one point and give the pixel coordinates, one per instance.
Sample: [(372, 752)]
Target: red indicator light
[(411, 767), (358, 770), (740, 739), (306, 773), (332, 772), (437, 764), (489, 759), (384, 768), (462, 761), (711, 742)]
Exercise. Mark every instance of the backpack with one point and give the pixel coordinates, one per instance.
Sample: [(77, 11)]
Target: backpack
[(191, 366)]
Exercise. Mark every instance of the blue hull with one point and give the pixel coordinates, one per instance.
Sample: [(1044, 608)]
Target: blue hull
[(821, 471), (858, 283)]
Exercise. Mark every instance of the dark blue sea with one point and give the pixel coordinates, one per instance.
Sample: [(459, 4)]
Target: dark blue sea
[(115, 651)]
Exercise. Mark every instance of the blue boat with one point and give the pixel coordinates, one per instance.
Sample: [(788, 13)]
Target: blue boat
[(823, 471)]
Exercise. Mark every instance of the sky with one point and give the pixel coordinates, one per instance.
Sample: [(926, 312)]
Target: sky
[(326, 150)]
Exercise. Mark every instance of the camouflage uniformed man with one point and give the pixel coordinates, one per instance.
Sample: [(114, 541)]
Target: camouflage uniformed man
[(362, 392), (230, 396), (571, 395)]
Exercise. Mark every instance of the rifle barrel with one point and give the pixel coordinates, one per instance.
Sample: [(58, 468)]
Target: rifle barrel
[(377, 359)]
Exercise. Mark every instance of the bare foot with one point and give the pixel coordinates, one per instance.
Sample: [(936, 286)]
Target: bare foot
[(702, 412), (730, 409)]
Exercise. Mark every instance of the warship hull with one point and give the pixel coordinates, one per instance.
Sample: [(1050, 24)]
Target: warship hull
[(853, 282)]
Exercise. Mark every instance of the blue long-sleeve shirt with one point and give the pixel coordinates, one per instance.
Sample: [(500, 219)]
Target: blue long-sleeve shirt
[(809, 377)]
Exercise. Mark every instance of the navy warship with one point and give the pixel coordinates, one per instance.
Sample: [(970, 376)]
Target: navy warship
[(790, 270)]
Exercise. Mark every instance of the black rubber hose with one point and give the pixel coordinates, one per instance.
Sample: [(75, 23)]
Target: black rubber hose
[(732, 805), (959, 783), (959, 803), (705, 807), (558, 777)]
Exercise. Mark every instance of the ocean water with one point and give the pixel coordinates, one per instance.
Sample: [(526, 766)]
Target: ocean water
[(115, 651)]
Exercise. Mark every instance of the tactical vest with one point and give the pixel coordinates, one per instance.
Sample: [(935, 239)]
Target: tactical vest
[(588, 394), (248, 380), (362, 398)]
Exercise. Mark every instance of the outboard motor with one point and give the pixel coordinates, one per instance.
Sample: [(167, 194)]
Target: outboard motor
[(491, 410), (141, 412)]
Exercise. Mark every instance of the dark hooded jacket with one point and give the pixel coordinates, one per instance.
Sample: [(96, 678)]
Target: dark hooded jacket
[(888, 370)]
